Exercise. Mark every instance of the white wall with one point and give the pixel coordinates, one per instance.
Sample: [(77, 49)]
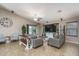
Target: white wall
[(17, 23)]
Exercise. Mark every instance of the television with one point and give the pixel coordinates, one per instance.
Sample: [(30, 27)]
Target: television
[(50, 28)]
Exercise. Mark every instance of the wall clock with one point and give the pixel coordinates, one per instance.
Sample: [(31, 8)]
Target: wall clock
[(6, 22)]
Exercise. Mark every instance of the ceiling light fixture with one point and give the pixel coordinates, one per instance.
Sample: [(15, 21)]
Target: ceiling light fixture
[(35, 19), (61, 19), (59, 11)]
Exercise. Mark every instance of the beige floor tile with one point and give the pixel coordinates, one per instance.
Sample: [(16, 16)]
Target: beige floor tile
[(14, 49)]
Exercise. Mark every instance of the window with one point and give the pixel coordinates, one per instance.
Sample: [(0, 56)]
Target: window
[(72, 29), (31, 29)]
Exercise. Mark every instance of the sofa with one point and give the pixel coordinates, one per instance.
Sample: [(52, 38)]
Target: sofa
[(14, 37), (36, 41), (57, 41)]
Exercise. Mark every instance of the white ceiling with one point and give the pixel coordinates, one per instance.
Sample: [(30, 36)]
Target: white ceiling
[(47, 11)]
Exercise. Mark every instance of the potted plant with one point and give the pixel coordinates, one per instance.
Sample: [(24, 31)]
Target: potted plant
[(23, 30)]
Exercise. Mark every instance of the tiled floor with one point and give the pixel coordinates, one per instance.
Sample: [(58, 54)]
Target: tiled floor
[(14, 49)]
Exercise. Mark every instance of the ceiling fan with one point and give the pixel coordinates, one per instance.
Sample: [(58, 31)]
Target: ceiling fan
[(36, 18)]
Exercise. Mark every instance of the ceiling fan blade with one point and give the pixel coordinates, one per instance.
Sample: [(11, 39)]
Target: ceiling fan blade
[(39, 19)]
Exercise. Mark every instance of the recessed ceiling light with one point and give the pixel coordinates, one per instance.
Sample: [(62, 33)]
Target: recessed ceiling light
[(12, 11), (46, 21), (59, 11)]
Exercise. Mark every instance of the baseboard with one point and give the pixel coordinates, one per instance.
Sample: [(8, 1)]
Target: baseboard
[(38, 46), (71, 42), (2, 42), (14, 40)]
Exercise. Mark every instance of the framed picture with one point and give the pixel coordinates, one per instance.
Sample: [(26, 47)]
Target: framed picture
[(6, 22)]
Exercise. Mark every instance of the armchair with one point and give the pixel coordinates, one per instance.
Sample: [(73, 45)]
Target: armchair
[(2, 38), (56, 41), (14, 37)]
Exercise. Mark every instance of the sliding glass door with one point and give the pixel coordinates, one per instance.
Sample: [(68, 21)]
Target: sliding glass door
[(31, 29)]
